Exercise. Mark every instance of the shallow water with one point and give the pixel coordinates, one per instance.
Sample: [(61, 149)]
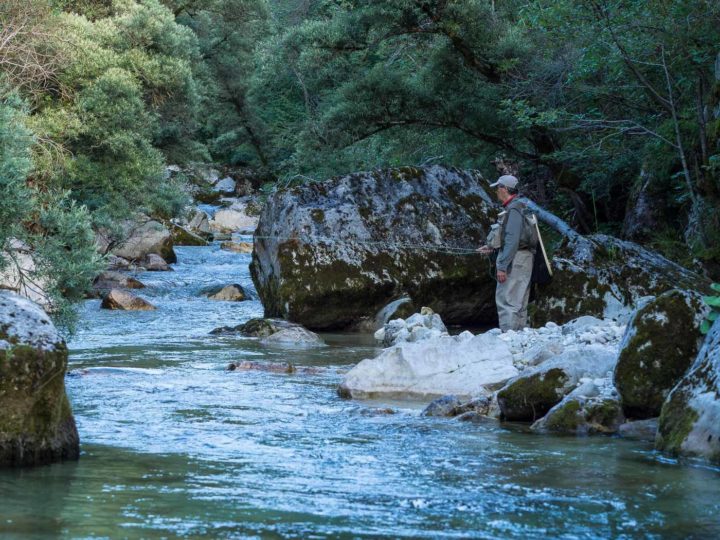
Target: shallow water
[(174, 445)]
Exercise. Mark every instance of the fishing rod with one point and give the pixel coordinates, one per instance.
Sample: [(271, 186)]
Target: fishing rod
[(438, 248)]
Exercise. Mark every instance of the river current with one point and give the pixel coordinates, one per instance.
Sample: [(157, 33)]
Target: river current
[(175, 445)]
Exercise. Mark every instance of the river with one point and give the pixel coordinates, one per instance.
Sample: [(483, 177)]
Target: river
[(174, 445)]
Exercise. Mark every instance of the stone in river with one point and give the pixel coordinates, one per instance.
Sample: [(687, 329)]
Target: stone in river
[(462, 365), (36, 422), (237, 247), (123, 300), (229, 293)]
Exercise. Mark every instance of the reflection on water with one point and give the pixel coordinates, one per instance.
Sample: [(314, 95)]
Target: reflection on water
[(176, 446)]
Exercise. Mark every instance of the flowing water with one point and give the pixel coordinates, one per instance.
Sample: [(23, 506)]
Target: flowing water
[(174, 445)]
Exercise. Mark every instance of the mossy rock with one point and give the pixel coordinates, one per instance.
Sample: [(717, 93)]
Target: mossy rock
[(689, 422), (528, 398), (532, 394), (580, 416), (184, 237), (260, 328), (605, 277), (659, 346), (36, 422), (332, 254)]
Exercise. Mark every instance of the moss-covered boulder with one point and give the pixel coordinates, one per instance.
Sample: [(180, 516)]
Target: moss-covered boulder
[(661, 342), (690, 419), (185, 237), (591, 408), (605, 277), (329, 255), (581, 417), (36, 422), (532, 394)]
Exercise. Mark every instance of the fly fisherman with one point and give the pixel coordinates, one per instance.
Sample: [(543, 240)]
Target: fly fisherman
[(515, 241)]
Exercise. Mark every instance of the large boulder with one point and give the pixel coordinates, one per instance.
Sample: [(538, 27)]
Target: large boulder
[(144, 237), (331, 254), (605, 277), (463, 365), (660, 344), (690, 419), (531, 395), (36, 422)]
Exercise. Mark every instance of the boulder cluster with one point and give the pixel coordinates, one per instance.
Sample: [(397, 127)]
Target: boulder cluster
[(632, 376)]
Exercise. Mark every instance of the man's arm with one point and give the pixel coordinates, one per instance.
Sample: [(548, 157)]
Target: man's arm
[(511, 241)]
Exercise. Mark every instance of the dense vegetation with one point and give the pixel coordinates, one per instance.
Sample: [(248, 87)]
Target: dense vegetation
[(608, 109)]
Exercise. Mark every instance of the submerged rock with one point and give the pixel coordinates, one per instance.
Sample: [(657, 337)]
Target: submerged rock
[(461, 365), (605, 277), (332, 254), (451, 406), (273, 331), (122, 300), (640, 430), (660, 344), (36, 422), (690, 419), (531, 395), (443, 406), (295, 335), (229, 293)]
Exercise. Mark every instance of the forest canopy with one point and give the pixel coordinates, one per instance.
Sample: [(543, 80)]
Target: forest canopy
[(608, 110)]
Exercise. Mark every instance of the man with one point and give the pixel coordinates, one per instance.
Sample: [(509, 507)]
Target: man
[(514, 258)]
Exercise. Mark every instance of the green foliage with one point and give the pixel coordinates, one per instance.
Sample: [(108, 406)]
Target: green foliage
[(714, 303), (55, 230)]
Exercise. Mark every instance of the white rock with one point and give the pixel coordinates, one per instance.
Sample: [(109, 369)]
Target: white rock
[(233, 220), (433, 367), (226, 185)]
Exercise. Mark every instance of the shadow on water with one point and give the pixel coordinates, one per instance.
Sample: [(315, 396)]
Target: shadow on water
[(174, 445)]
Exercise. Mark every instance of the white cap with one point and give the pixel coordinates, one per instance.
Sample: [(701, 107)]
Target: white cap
[(508, 181)]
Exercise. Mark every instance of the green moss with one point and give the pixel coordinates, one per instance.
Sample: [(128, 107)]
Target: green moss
[(676, 422), (36, 424), (529, 398), (566, 419), (656, 357), (183, 237), (317, 215), (604, 416)]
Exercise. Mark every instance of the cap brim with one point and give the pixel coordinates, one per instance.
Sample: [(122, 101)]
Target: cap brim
[(496, 184)]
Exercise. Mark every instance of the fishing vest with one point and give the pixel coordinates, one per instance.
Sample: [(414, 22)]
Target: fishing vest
[(528, 232)]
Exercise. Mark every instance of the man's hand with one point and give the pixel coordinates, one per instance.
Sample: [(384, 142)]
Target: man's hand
[(501, 276), (485, 250)]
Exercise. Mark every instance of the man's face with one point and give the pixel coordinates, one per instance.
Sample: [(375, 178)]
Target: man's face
[(501, 193)]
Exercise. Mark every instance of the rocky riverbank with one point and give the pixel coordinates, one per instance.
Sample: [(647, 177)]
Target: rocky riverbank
[(588, 376)]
